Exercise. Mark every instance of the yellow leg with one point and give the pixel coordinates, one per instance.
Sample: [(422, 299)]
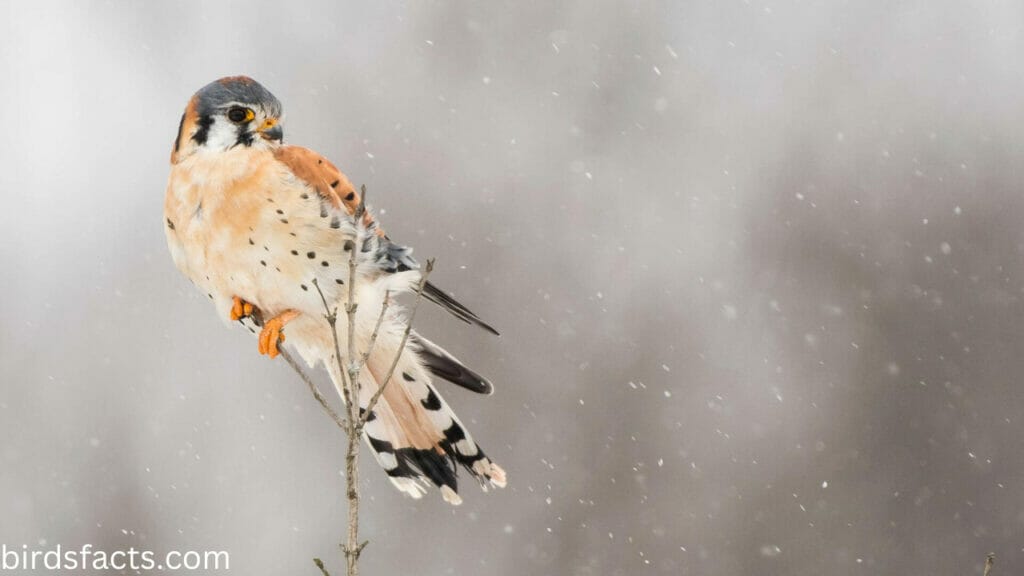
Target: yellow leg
[(240, 308), (273, 333)]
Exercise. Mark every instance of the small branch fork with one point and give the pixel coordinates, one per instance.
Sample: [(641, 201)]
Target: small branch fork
[(353, 421)]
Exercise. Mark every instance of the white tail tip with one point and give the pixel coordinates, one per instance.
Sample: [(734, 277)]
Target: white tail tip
[(450, 496)]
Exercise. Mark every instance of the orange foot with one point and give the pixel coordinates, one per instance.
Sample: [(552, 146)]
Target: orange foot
[(240, 308), (273, 332)]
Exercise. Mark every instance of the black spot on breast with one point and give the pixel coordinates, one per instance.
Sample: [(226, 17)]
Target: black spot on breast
[(284, 220), (271, 200), (339, 281), (325, 264), (210, 295), (407, 378), (279, 211), (170, 224), (304, 287), (349, 245), (335, 223), (310, 255), (251, 243), (265, 249), (295, 252), (263, 262), (304, 196)]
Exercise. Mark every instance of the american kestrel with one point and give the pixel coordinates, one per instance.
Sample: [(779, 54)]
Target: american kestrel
[(252, 222)]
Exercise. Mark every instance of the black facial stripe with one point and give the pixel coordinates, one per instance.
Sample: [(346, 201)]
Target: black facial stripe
[(204, 130), (244, 136)]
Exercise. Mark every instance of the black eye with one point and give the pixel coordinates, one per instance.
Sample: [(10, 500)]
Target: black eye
[(239, 114)]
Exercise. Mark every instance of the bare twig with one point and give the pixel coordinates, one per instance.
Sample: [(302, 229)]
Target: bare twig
[(320, 564), (351, 306), (376, 329), (401, 347), (350, 392), (332, 318), (990, 561), (349, 370), (313, 388), (352, 548)]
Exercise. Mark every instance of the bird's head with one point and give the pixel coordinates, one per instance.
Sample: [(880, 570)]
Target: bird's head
[(227, 113)]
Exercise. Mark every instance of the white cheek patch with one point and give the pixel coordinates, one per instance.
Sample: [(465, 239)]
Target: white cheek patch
[(222, 134)]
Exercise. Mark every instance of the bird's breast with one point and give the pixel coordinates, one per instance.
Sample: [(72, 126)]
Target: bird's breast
[(212, 211)]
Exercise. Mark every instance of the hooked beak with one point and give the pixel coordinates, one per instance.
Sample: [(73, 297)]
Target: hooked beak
[(271, 130)]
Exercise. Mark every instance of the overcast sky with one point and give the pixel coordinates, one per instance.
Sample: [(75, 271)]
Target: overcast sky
[(757, 268)]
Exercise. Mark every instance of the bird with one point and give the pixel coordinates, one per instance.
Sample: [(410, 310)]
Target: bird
[(265, 230)]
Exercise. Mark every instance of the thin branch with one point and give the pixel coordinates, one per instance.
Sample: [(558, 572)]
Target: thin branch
[(320, 564), (351, 306), (350, 392), (257, 319), (350, 386), (332, 319), (989, 562), (376, 330), (361, 207), (401, 347), (313, 388)]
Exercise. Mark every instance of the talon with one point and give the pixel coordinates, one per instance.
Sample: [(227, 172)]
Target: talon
[(273, 333), (240, 308)]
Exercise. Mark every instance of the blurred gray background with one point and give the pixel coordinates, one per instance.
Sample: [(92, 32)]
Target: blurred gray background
[(757, 265)]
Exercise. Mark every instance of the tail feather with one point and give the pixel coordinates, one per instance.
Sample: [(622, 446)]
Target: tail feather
[(444, 365), (394, 257), (455, 308), (413, 433)]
